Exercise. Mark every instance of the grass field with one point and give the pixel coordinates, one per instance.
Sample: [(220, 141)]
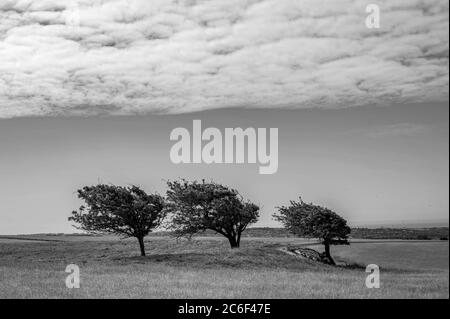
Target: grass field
[(207, 268)]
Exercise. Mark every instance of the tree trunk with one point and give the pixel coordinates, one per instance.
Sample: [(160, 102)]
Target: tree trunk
[(233, 242), (238, 240), (141, 245), (328, 255)]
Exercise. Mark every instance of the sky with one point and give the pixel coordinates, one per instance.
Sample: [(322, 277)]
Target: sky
[(91, 89), (369, 164)]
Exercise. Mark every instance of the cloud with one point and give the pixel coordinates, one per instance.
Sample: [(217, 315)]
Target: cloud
[(89, 57)]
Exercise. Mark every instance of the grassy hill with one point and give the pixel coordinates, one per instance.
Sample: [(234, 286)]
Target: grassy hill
[(208, 268)]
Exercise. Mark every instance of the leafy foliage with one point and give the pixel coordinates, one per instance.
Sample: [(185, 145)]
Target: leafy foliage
[(123, 211), (308, 220), (196, 207)]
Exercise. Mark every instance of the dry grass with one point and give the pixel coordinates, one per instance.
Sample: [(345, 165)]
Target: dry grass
[(202, 268)]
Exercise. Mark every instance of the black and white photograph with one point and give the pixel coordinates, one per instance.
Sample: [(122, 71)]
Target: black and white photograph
[(224, 154)]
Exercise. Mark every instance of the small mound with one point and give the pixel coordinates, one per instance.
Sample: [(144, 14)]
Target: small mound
[(203, 257)]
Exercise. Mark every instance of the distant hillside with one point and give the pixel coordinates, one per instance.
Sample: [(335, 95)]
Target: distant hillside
[(433, 233), (440, 233)]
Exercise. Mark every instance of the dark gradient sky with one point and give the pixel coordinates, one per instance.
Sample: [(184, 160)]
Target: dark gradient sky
[(370, 164)]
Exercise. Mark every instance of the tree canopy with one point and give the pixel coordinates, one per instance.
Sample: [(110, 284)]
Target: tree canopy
[(198, 206), (314, 221), (124, 211)]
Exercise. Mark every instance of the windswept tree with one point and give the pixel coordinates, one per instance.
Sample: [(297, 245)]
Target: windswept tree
[(123, 211), (197, 206), (313, 221)]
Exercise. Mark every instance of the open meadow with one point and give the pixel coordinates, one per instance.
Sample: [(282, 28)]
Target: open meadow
[(205, 267)]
